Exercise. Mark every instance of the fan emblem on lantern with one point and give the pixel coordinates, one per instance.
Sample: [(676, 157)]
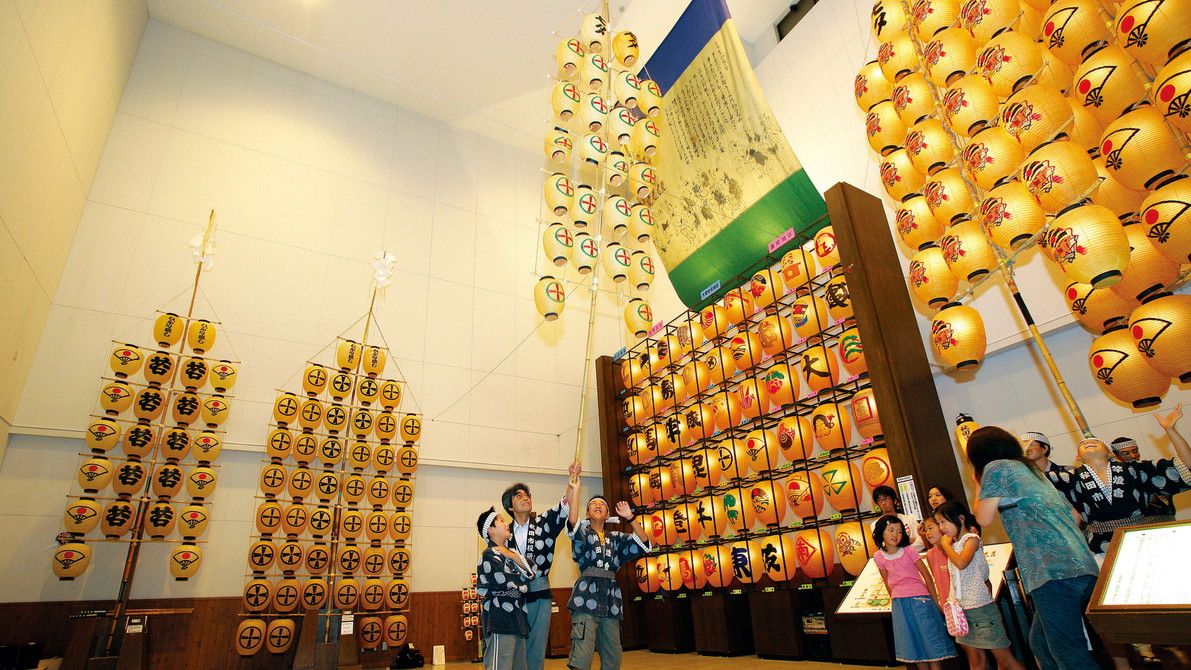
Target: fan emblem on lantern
[(1064, 245), (1053, 30), (1137, 34), (1113, 144), (1105, 361), (943, 335), (1093, 93), (1159, 230), (1040, 177), (1155, 327)]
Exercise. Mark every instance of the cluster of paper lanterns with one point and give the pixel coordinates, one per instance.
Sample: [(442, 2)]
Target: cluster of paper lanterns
[(741, 423), (469, 606), (1004, 122), (601, 138), (333, 520), (162, 407)]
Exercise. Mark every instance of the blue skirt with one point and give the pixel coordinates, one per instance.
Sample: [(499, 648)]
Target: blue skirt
[(919, 631)]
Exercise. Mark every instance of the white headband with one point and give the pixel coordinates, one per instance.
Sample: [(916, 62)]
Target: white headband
[(1124, 444), (488, 524), (1035, 437)]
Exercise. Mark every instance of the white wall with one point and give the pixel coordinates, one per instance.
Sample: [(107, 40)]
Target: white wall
[(309, 180)]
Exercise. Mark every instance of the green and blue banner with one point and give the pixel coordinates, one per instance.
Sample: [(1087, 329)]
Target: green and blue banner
[(730, 189)]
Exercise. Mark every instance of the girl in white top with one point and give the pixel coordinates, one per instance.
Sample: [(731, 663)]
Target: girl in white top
[(970, 587)]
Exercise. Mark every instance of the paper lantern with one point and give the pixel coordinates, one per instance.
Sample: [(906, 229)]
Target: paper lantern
[(262, 554), (279, 635), (641, 224), (115, 397), (781, 383), (549, 297), (1089, 244), (1059, 174), (641, 270), (700, 516), (797, 268), (139, 440), (913, 100), (931, 281), (1122, 372), (928, 17), (617, 214), (957, 334), (558, 145), (676, 525), (160, 520), (746, 350), (969, 104), (642, 179), (733, 459), (838, 299), (583, 206), (1172, 90), (645, 574), (865, 415), (268, 517), (564, 101), (966, 251), (991, 157), (704, 468), (735, 504), (765, 287), (396, 627), (194, 373), (897, 57), (763, 449), (310, 413), (568, 55), (1073, 28), (916, 223), (185, 560), (804, 492), (644, 139), (795, 438), (1055, 72), (117, 519), (983, 19), (625, 88), (871, 86), (250, 636), (272, 479), (826, 251), (724, 411), (81, 516), (948, 56), (398, 560), (1084, 130), (370, 628), (200, 335), (559, 193), (411, 428), (638, 316), (214, 411), (1148, 271), (95, 474), (593, 109), (1161, 328), (717, 566), (1122, 201), (890, 18), (1107, 83), (840, 484), (808, 315), (748, 565), (1010, 216), (816, 552), (754, 398), (1008, 62), (1153, 31), (820, 370), (875, 469), (593, 30), (223, 376), (1166, 213), (159, 368), (885, 129), (947, 195), (1097, 308), (929, 146), (206, 447), (102, 434), (557, 243), (649, 101), (831, 425), (689, 567), (775, 334), (341, 384), (347, 593), (593, 72), (719, 364), (696, 377), (314, 593), (1035, 115), (592, 149), (616, 261), (854, 546), (1140, 150), (126, 359), (167, 329), (294, 517)]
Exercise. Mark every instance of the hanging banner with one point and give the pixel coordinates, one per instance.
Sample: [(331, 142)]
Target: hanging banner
[(729, 183)]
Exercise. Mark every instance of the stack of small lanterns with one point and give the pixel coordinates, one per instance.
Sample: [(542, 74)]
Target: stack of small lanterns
[(743, 472), (596, 213), (334, 523), (163, 451), (1010, 122)]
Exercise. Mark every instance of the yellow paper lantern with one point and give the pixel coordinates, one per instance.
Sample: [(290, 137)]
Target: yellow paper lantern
[(820, 369), (1122, 372), (215, 410), (890, 18), (1172, 90), (732, 456), (897, 57), (568, 55), (649, 101), (1153, 31), (991, 157), (1055, 72), (816, 552), (931, 281), (1122, 201), (1161, 328), (593, 30), (746, 350), (638, 316), (983, 19), (641, 224), (737, 306), (781, 383), (279, 635), (754, 398), (1008, 62), (885, 129), (616, 261), (115, 397), (912, 99), (102, 434), (967, 252), (916, 224), (948, 56), (200, 336), (929, 146), (559, 192), (593, 72), (139, 440), (396, 627), (1088, 244), (840, 484), (957, 334), (200, 482), (746, 562), (826, 250), (642, 179), (969, 104), (411, 428), (549, 297), (804, 492), (1073, 28), (117, 519), (854, 546), (1097, 308), (160, 520), (765, 287), (871, 86), (557, 243), (1084, 130), (583, 206), (159, 368), (1166, 213), (126, 359), (775, 334), (717, 566), (875, 469), (865, 414), (1010, 215), (928, 17), (948, 196), (1059, 174), (809, 316), (81, 516), (1108, 82), (558, 145), (1035, 115), (851, 352), (1148, 271), (831, 425), (795, 438), (797, 268), (167, 329), (185, 560), (1140, 150)]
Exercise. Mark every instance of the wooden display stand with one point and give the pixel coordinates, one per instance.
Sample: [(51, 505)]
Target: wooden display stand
[(722, 624), (558, 645), (670, 625), (777, 626)]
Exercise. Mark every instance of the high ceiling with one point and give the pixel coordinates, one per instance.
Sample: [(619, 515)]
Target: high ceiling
[(482, 66)]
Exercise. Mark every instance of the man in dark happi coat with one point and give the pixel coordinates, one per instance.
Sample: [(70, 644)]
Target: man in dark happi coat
[(595, 603), (534, 535)]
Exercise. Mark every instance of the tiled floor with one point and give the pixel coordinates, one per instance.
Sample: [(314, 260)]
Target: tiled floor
[(646, 660)]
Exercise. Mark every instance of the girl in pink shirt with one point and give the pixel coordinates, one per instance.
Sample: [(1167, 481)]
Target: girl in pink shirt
[(919, 632)]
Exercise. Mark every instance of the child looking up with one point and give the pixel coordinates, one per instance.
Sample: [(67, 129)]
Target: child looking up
[(919, 632), (502, 578), (969, 580)]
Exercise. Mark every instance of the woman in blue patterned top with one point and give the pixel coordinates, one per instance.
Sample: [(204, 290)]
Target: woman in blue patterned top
[(595, 603), (1057, 569)]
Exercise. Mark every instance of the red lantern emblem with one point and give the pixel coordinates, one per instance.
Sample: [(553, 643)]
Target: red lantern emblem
[(943, 335), (918, 273), (1064, 245)]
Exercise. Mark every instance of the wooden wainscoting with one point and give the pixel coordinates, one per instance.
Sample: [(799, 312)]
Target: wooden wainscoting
[(203, 639)]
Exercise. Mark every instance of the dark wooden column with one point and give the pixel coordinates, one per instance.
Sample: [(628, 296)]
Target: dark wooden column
[(916, 432)]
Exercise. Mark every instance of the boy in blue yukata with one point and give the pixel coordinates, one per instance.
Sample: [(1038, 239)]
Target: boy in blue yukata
[(595, 603), (502, 578)]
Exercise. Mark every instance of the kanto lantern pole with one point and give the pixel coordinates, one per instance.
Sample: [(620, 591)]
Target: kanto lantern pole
[(1072, 406), (198, 273)]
